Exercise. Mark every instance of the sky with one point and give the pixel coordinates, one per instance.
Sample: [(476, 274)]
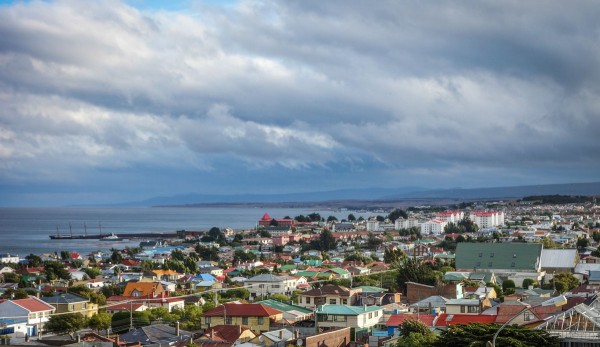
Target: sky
[(114, 101)]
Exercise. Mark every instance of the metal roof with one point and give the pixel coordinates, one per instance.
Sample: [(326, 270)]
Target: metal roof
[(492, 256), (559, 258)]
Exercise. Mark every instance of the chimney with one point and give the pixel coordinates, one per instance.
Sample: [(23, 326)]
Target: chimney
[(240, 329), (212, 334), (177, 328), (530, 287), (117, 341), (281, 334), (78, 338)]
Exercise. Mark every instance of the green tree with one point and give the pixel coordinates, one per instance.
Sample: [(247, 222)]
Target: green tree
[(417, 339), (100, 321), (397, 213), (351, 217), (120, 320), (34, 260), (413, 270), (393, 255), (582, 243), (564, 281), (56, 270), (548, 243), (528, 282), (596, 236), (280, 297), (508, 287), (237, 293), (69, 323), (116, 257), (476, 334), (412, 326), (326, 240)]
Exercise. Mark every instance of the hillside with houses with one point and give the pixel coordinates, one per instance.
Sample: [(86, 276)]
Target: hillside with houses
[(426, 274)]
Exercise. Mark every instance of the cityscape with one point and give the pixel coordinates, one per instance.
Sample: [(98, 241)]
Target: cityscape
[(262, 173)]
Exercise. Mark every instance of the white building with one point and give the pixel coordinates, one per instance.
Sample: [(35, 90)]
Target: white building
[(372, 225), (267, 284), (32, 313), (487, 219), (450, 216), (342, 316), (402, 223), (8, 258), (433, 226)]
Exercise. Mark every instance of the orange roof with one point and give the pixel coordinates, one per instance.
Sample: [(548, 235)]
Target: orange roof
[(145, 288), (225, 332), (242, 310), (165, 272)]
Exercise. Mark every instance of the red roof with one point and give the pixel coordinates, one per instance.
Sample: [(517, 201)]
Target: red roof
[(397, 319), (225, 332), (454, 319), (266, 217), (125, 307), (242, 310), (33, 305)]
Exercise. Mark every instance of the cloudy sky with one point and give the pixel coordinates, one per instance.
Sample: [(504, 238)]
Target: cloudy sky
[(115, 101)]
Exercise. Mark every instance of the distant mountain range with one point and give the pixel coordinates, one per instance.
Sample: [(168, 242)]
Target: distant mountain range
[(376, 194)]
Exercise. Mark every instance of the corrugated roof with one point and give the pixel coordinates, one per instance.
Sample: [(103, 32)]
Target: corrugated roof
[(517, 256), (284, 307), (242, 310), (32, 304), (559, 258), (346, 309)]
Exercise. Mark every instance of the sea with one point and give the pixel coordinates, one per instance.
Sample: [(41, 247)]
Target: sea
[(24, 231)]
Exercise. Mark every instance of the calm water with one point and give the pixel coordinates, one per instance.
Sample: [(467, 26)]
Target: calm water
[(26, 230)]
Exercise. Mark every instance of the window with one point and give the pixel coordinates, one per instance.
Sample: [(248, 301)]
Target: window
[(528, 316), (480, 255), (462, 309), (307, 300), (207, 320), (71, 307), (478, 264), (490, 264), (370, 315), (332, 301), (337, 318), (492, 255), (228, 320), (473, 309), (261, 320), (512, 264), (245, 320), (344, 301), (275, 286)]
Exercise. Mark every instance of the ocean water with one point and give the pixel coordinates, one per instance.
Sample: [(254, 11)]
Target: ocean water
[(27, 230)]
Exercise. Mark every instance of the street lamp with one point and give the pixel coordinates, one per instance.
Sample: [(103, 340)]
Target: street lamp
[(556, 301)]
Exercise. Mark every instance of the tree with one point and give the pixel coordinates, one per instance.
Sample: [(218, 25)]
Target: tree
[(412, 270), (100, 321), (596, 236), (476, 334), (508, 287), (564, 281), (373, 242), (397, 213), (417, 339), (237, 293), (34, 260), (120, 320), (69, 323), (280, 297), (582, 243), (264, 233), (393, 255), (326, 240), (412, 326), (548, 243), (56, 270), (332, 219), (351, 217), (528, 282), (116, 257)]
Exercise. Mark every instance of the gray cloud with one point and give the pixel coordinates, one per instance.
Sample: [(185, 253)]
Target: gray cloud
[(393, 88)]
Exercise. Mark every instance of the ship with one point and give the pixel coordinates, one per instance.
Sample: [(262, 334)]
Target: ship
[(111, 237)]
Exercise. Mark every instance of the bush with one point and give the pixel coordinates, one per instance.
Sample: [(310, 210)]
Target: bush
[(529, 282)]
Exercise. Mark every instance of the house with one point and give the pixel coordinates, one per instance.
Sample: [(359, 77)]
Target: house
[(275, 338), (72, 303), (470, 306), (515, 261), (291, 313), (258, 316), (229, 333), (338, 273), (266, 284), (31, 312), (157, 335), (144, 289), (170, 303), (9, 258), (432, 304), (130, 307), (361, 318), (328, 294), (338, 338), (166, 275)]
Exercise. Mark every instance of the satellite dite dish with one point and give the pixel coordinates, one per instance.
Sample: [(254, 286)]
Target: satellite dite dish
[(261, 339), (299, 342)]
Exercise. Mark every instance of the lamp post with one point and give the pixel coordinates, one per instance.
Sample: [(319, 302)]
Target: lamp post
[(556, 301)]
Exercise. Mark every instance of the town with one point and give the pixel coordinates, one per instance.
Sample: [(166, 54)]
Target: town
[(472, 273)]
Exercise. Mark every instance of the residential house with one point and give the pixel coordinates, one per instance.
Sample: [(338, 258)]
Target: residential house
[(7, 258), (361, 318), (157, 335), (266, 284), (470, 306), (328, 294), (556, 260), (31, 312), (144, 289), (258, 316), (72, 303), (291, 313), (275, 338), (229, 333)]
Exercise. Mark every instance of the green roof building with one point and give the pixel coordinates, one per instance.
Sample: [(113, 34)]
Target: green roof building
[(515, 261)]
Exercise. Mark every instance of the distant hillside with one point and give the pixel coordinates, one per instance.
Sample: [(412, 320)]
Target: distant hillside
[(516, 192), (343, 194)]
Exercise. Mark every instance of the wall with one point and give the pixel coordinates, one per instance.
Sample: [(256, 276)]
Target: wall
[(333, 338)]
